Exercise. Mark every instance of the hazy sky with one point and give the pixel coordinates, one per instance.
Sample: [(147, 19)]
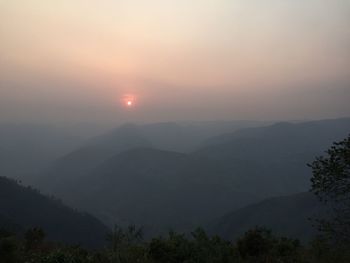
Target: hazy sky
[(179, 60)]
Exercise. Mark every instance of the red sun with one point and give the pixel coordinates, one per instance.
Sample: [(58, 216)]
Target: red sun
[(128, 101)]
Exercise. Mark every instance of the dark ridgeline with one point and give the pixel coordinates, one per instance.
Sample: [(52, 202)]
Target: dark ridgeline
[(22, 208)]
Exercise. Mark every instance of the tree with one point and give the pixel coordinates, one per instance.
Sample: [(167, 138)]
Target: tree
[(34, 237), (126, 244), (256, 243), (331, 184), (9, 247), (173, 249)]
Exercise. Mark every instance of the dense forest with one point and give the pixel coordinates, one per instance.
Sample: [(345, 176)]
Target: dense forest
[(256, 245)]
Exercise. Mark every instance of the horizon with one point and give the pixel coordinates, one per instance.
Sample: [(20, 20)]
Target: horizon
[(174, 60)]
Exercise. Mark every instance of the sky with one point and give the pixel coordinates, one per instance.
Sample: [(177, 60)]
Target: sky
[(82, 60)]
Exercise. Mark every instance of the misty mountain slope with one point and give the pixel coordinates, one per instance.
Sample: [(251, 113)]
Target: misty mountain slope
[(165, 136), (8, 160), (272, 159), (286, 216), (23, 207), (71, 167), (155, 188), (31, 147), (187, 136), (297, 133)]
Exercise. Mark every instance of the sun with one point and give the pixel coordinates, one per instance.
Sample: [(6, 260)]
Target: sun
[(128, 101)]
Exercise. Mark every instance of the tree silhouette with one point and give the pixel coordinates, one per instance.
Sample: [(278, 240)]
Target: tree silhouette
[(34, 237), (331, 184)]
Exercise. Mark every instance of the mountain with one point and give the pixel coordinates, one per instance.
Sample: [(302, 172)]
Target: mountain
[(159, 189), (272, 160), (169, 136), (187, 136), (155, 188), (26, 149), (23, 207), (287, 216), (73, 166), (327, 129)]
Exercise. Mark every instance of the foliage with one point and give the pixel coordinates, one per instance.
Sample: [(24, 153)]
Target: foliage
[(331, 183), (34, 238), (259, 245), (126, 245)]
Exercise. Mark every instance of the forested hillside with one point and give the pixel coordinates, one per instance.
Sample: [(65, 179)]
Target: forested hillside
[(290, 216), (24, 207)]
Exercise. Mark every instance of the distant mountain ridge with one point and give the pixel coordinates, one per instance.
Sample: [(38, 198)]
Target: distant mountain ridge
[(330, 130), (168, 136), (275, 157)]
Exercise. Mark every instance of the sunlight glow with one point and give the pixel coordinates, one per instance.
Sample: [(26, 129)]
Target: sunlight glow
[(128, 100)]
